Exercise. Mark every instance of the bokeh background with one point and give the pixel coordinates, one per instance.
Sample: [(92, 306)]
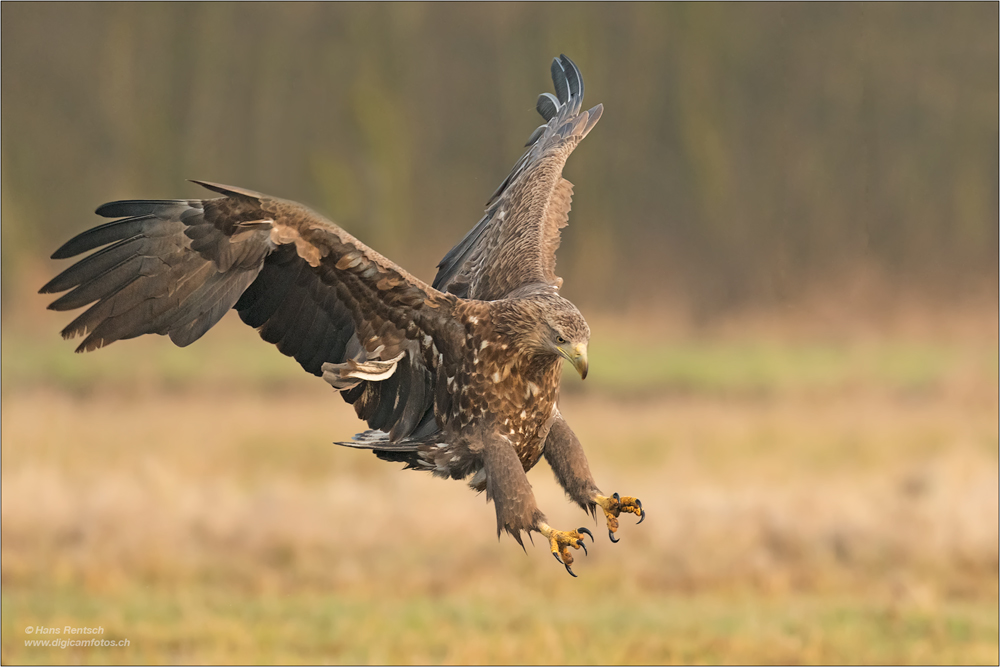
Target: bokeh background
[(784, 237)]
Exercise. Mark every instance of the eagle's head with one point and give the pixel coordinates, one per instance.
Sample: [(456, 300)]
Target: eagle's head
[(544, 326), (563, 331)]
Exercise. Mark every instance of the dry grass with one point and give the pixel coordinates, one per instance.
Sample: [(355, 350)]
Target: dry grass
[(790, 520)]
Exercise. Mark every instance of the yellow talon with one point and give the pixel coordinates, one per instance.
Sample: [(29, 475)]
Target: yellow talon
[(614, 506), (561, 540)]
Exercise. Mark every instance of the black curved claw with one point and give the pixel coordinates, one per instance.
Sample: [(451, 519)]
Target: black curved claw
[(569, 570), (612, 536), (616, 496), (642, 512), (556, 556), (586, 532), (580, 543)]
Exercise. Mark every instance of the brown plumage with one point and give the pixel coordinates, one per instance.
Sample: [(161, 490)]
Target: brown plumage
[(460, 378)]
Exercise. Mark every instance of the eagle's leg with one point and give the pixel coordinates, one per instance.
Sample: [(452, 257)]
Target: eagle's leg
[(565, 454), (561, 540), (508, 487)]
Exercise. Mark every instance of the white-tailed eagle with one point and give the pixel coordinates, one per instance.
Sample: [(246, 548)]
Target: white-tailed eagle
[(459, 378)]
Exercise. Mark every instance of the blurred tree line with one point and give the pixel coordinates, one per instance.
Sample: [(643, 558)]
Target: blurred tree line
[(747, 151)]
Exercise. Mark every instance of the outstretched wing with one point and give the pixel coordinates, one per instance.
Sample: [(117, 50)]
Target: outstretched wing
[(338, 307), (515, 242)]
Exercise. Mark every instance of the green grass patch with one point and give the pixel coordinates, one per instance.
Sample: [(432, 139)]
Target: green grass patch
[(185, 626), (721, 367), (234, 356)]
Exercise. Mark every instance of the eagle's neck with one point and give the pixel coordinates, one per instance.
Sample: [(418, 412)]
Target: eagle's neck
[(540, 367)]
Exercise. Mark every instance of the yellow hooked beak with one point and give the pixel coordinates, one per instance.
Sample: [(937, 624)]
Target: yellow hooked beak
[(578, 357)]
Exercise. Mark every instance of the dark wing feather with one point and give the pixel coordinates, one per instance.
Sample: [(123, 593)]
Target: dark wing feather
[(317, 293), (515, 242), (155, 277)]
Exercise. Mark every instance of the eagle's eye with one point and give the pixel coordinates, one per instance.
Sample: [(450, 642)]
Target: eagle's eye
[(560, 340)]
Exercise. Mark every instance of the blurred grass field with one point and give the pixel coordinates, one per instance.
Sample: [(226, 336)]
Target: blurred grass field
[(811, 498)]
